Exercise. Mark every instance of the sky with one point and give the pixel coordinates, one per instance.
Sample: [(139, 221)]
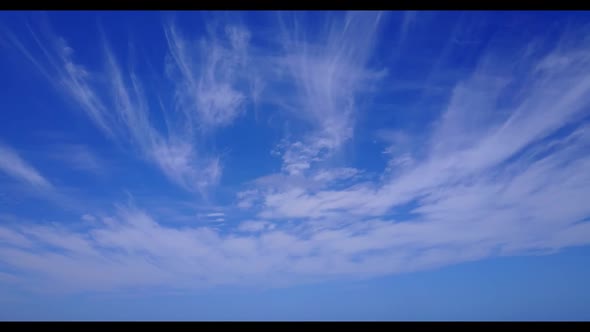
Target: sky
[(395, 165)]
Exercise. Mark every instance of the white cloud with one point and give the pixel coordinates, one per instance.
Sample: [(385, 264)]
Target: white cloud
[(454, 225), (408, 20), (328, 72), (497, 176), (331, 175), (180, 163), (466, 142), (247, 198), (13, 238), (211, 75), (13, 165), (118, 107), (79, 157), (255, 226), (88, 218)]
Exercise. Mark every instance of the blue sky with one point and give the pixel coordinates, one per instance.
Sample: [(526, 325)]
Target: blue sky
[(294, 165)]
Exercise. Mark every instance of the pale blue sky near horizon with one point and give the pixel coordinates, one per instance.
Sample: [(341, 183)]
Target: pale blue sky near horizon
[(262, 165)]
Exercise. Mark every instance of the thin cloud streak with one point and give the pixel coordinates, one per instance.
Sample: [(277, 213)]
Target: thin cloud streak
[(13, 165), (79, 157)]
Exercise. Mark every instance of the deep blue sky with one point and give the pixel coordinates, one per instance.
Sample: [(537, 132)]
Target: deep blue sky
[(294, 165)]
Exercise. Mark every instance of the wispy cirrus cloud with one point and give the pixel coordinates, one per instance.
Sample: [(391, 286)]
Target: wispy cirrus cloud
[(13, 165), (454, 224), (507, 214), (501, 170), (255, 226), (31, 183), (472, 136), (79, 157), (117, 104), (213, 86), (408, 19), (215, 79), (327, 71)]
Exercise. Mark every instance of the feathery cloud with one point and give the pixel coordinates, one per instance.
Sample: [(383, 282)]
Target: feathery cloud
[(119, 108), (327, 73)]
